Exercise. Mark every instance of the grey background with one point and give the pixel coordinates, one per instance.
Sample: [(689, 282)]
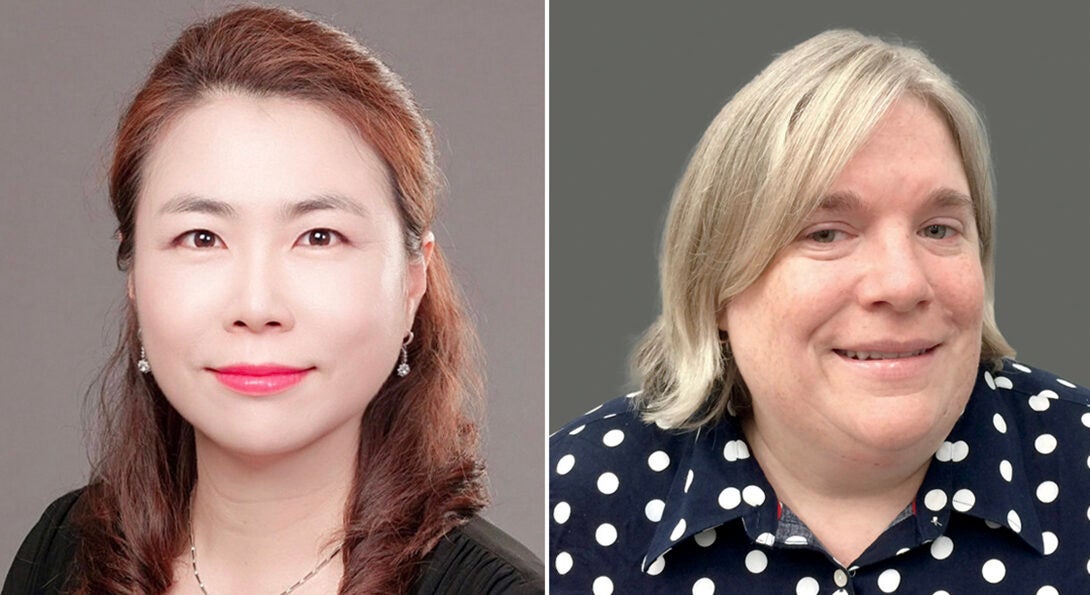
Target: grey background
[(68, 69), (634, 85)]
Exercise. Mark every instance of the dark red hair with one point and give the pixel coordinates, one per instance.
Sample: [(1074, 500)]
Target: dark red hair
[(418, 474)]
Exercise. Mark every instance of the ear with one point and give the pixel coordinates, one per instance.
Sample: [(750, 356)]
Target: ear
[(131, 288), (417, 275), (721, 317)]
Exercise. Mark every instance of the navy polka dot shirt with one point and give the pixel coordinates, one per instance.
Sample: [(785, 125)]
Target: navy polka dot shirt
[(1004, 507)]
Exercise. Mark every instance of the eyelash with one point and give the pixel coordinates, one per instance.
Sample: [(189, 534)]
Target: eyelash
[(189, 238)]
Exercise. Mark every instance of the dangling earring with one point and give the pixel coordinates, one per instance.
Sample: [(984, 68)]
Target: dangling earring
[(142, 363), (403, 368)]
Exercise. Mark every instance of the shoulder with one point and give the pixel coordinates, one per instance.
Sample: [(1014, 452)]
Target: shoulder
[(478, 557), (43, 562)]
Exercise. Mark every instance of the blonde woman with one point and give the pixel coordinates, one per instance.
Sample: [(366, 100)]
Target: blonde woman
[(827, 403)]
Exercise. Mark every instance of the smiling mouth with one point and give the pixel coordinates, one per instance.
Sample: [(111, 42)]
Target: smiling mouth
[(880, 355)]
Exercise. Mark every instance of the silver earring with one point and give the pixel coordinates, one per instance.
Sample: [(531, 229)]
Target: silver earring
[(142, 363), (403, 368)]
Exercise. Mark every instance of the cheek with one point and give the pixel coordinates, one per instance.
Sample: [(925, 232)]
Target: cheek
[(962, 289)]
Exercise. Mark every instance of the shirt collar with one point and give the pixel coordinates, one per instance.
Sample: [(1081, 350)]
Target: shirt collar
[(962, 479)]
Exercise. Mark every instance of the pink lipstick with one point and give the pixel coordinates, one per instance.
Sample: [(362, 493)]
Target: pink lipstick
[(258, 380)]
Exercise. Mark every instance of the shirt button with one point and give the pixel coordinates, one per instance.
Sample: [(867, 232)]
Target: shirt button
[(840, 577)]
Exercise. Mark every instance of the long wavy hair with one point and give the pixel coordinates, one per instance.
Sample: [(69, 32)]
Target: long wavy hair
[(418, 473)]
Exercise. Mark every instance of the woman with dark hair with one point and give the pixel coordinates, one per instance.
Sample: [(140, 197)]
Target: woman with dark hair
[(287, 407)]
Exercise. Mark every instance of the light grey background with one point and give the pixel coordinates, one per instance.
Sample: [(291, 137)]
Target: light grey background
[(66, 71), (634, 85)]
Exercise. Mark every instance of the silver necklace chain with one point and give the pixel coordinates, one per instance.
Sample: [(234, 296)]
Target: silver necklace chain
[(200, 583)]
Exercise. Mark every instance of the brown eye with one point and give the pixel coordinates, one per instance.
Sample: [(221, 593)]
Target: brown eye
[(320, 237), (198, 238), (204, 239)]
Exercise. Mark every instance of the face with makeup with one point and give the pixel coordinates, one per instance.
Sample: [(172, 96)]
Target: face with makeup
[(270, 277), (863, 336)]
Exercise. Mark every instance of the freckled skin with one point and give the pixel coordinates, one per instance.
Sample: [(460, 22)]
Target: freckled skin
[(897, 266)]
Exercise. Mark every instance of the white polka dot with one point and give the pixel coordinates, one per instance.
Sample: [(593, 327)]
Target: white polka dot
[(563, 562), (756, 561), (963, 500), (1086, 419), (1088, 461), (902, 551), (561, 512), (992, 525), (656, 567), (1066, 383), (807, 586), (688, 481), (1014, 521), (608, 483), (840, 577), (577, 430), (658, 460), (654, 509), (889, 580), (703, 586), (999, 423), (942, 547), (1047, 491), (940, 592), (730, 498), (662, 424), (602, 586), (935, 500), (734, 450), (605, 535), (943, 454), (705, 538), (753, 495), (613, 438), (678, 531), (1088, 566), (1006, 470), (1051, 394), (1018, 366), (989, 380), (1051, 542), (1045, 444), (769, 539), (993, 571), (1004, 382), (609, 415), (565, 464), (1047, 590), (958, 451), (593, 410), (796, 540), (1038, 402)]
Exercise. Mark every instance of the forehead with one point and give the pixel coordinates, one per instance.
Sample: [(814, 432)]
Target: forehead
[(911, 152), (248, 149)]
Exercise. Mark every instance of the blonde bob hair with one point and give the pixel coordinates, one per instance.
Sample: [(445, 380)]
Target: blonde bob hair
[(761, 168)]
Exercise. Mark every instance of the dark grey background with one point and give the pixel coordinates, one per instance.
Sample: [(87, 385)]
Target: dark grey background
[(66, 71), (634, 85)]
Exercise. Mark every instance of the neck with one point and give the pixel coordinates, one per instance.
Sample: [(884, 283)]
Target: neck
[(261, 522), (847, 497)]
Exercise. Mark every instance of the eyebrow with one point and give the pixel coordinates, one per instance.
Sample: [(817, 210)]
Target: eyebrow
[(189, 203), (839, 202)]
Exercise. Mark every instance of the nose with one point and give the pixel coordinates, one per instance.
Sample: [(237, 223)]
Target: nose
[(258, 301), (895, 274)]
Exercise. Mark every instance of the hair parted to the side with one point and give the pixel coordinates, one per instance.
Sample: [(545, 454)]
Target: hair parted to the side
[(418, 473), (760, 169)]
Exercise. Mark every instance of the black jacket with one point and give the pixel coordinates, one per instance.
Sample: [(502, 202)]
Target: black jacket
[(475, 558)]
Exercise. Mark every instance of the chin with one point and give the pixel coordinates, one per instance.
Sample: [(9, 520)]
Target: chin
[(913, 423)]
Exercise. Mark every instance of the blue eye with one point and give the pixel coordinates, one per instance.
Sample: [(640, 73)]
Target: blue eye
[(937, 231), (824, 236)]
